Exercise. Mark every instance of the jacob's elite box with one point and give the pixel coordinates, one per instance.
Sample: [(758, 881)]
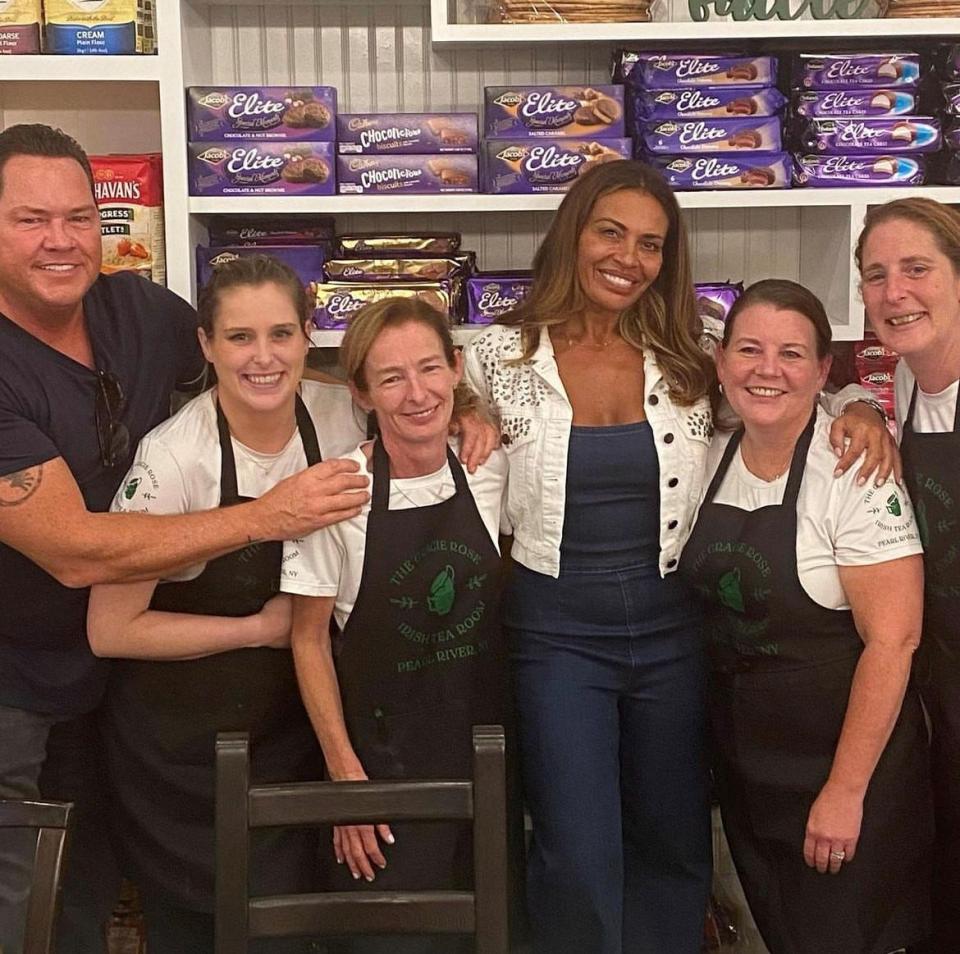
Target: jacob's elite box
[(711, 135), (516, 112), (678, 70), (911, 134), (703, 103), (752, 170), (406, 133), (20, 22), (78, 27), (844, 171), (306, 260), (492, 295), (413, 175), (261, 168), (527, 166), (336, 304), (295, 113)]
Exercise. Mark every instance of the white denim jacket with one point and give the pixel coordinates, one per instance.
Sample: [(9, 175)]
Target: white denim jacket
[(535, 419)]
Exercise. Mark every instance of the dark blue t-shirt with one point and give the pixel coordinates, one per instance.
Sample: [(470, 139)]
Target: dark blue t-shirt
[(147, 337)]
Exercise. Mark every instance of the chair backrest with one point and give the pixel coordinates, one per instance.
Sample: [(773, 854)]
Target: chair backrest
[(240, 807), (51, 821)]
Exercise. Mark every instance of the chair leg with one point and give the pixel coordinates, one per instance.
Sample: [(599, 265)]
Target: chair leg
[(232, 843)]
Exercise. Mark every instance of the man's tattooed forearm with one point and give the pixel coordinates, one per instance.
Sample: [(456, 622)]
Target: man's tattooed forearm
[(20, 486)]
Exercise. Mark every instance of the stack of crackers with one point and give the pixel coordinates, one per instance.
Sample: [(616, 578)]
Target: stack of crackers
[(920, 8), (574, 11)]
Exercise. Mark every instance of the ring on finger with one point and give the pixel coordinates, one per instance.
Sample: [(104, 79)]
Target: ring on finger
[(837, 854)]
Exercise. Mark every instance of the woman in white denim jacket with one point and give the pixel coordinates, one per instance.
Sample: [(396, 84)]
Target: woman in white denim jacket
[(602, 383)]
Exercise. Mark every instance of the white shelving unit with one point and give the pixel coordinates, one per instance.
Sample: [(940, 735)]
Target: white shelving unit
[(423, 55)]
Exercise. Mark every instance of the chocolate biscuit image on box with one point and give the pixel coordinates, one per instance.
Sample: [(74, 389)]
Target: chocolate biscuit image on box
[(903, 132), (883, 100), (742, 106), (447, 173), (885, 165), (762, 176), (744, 72), (310, 169), (889, 70), (745, 139), (708, 308)]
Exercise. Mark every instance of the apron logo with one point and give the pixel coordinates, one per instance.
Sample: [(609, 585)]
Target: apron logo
[(442, 592), (893, 505), (130, 488), (728, 590)]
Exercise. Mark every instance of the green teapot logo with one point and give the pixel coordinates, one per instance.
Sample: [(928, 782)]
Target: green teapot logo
[(442, 592), (728, 590), (131, 487), (893, 505)]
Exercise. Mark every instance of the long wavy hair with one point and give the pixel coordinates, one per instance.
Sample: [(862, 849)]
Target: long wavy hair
[(663, 320)]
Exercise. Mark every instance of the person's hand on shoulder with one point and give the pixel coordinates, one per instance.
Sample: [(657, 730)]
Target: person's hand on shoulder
[(479, 437), (860, 430)]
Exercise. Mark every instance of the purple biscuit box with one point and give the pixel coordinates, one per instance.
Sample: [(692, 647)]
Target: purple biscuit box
[(845, 70), (716, 300), (677, 70), (701, 103), (730, 171), (295, 113), (683, 136), (525, 166), (835, 103), (492, 295), (841, 136), (336, 304), (951, 97), (306, 260), (412, 175), (373, 134), (515, 112), (261, 168), (267, 230), (843, 171)]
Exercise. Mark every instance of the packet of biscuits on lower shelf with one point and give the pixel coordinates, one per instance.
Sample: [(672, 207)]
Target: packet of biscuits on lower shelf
[(551, 112), (492, 295), (682, 136), (710, 102), (911, 134), (337, 303), (858, 170), (527, 166), (268, 230), (847, 103), (398, 269), (715, 299), (411, 175), (751, 170), (653, 70), (397, 243), (852, 70)]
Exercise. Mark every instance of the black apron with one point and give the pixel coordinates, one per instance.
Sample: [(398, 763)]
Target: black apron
[(931, 466), (422, 661), (162, 718), (782, 671)]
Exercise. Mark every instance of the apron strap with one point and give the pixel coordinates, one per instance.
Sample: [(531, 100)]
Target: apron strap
[(724, 465), (380, 496), (308, 433), (799, 462)]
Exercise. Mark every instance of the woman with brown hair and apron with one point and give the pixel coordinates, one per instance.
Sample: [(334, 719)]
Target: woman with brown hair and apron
[(820, 743), (413, 583), (207, 650), (909, 259)]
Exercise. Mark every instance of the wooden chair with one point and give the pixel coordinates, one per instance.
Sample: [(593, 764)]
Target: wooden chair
[(51, 821), (240, 807)]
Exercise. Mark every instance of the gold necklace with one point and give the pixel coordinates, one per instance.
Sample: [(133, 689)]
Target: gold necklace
[(760, 472)]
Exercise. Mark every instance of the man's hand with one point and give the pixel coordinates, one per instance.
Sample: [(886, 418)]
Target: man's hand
[(321, 495)]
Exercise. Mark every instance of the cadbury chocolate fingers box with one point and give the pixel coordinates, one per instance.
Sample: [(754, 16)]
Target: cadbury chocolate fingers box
[(517, 112), (412, 175), (754, 170), (304, 113), (846, 70), (844, 171), (374, 134), (837, 103), (674, 136), (711, 102), (526, 166), (840, 136), (261, 168)]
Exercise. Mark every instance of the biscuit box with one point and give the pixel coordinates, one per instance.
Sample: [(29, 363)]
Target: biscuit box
[(683, 136), (702, 103), (841, 136), (373, 134), (397, 243), (301, 113), (399, 269), (525, 166), (846, 70), (261, 168), (716, 300), (748, 171), (78, 27), (951, 98), (845, 171), (839, 103), (306, 260), (491, 296), (516, 112), (268, 230), (412, 175), (337, 304), (678, 70), (20, 22)]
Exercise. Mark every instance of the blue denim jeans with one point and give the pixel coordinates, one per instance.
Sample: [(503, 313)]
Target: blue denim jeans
[(45, 756)]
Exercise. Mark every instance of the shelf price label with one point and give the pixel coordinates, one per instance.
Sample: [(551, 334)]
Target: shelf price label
[(740, 10)]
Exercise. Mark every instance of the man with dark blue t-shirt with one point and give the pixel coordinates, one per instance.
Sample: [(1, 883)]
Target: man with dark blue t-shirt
[(87, 367)]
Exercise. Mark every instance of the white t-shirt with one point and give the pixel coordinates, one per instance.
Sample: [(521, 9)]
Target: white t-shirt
[(838, 523), (933, 414), (177, 465), (329, 562)]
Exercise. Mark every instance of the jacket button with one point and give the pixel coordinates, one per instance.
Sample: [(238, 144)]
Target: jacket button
[(672, 525), (668, 438), (506, 439), (673, 481), (653, 399), (671, 563)]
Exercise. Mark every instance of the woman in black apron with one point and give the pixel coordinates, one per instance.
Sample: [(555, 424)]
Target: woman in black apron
[(211, 653), (821, 771), (414, 584), (909, 259)]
